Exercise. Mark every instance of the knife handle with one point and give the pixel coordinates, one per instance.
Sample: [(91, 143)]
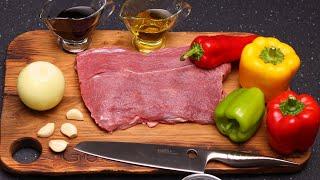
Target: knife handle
[(240, 159)]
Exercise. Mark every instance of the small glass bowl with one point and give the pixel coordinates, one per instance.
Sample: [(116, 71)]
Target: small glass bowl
[(201, 177)]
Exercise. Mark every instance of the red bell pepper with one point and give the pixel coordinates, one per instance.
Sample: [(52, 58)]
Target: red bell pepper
[(208, 52), (292, 122)]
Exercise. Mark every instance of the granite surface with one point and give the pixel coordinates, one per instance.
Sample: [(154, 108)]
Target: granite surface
[(295, 22)]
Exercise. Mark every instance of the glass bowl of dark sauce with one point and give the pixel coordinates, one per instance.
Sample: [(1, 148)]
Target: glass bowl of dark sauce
[(74, 21)]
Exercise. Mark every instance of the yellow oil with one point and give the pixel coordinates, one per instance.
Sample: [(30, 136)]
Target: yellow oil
[(149, 28)]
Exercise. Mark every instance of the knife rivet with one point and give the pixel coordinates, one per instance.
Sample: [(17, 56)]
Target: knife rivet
[(192, 153)]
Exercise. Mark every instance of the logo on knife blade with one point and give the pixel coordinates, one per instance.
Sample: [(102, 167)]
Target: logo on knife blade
[(166, 151), (73, 156)]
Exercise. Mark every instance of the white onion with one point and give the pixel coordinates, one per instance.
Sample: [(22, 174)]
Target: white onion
[(41, 85)]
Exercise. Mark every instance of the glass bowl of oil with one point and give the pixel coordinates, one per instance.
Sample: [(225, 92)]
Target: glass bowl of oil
[(150, 20)]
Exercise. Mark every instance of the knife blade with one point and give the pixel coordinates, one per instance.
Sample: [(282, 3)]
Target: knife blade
[(176, 158)]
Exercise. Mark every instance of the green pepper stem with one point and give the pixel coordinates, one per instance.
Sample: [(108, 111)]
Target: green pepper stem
[(272, 55), (195, 51), (188, 54), (292, 101), (291, 106), (272, 52)]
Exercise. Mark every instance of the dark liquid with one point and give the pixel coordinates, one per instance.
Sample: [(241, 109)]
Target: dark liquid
[(77, 12), (75, 29), (149, 30)]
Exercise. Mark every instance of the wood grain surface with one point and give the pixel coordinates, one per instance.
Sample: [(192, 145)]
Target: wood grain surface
[(18, 122)]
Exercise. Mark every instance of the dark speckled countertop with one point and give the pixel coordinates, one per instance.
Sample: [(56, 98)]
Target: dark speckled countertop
[(294, 21)]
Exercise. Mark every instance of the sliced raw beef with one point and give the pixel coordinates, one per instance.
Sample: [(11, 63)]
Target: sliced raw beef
[(122, 88)]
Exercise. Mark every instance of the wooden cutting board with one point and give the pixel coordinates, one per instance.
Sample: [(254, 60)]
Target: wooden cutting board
[(20, 124)]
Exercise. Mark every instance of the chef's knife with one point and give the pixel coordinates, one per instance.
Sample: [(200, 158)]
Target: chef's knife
[(174, 157)]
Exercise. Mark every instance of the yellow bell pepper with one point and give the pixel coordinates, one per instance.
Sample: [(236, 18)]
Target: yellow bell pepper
[(268, 64)]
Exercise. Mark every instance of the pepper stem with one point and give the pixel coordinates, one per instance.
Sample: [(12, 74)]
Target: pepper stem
[(291, 106), (292, 101), (272, 55), (272, 52), (195, 51)]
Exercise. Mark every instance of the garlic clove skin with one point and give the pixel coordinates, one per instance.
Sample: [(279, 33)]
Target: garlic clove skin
[(58, 145), (75, 114), (69, 130), (46, 131)]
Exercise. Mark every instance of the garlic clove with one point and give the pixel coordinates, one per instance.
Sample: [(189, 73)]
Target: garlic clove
[(46, 131), (75, 114), (69, 130), (58, 145)]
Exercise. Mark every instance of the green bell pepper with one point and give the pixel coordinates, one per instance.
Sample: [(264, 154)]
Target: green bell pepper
[(238, 115)]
